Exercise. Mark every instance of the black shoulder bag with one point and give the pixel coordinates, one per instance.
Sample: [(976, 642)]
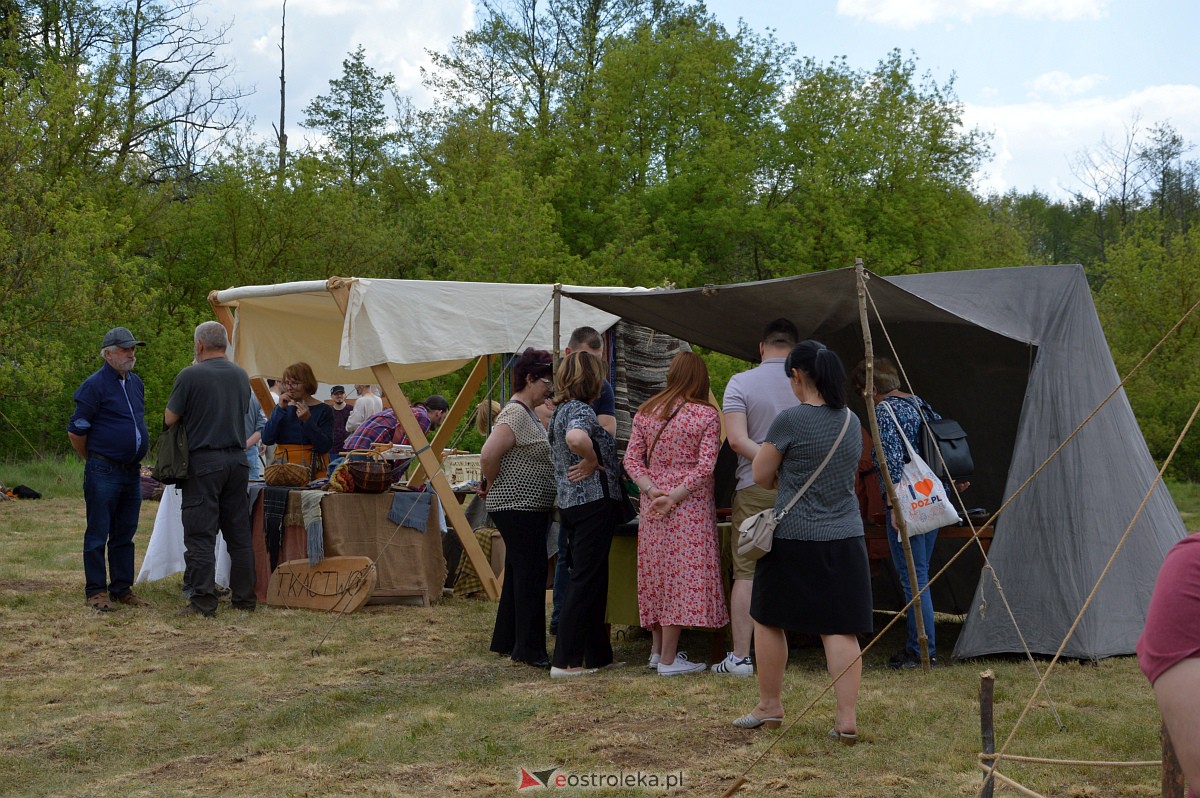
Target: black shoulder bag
[(944, 446)]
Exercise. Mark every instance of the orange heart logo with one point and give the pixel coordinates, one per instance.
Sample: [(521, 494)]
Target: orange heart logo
[(924, 487)]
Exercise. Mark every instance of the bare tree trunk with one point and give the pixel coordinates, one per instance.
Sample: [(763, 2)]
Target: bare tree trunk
[(280, 134)]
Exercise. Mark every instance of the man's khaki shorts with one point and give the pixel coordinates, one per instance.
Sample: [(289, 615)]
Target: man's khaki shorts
[(747, 502)]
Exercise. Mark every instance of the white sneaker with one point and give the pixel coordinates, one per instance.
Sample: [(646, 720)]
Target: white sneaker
[(680, 666), (732, 666), (652, 664)]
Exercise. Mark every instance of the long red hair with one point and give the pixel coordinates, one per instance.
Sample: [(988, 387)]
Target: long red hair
[(687, 380)]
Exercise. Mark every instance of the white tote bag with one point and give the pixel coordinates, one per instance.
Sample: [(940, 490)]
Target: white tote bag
[(920, 495)]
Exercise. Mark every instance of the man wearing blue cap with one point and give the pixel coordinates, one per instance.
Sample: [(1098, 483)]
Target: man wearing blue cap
[(108, 430)]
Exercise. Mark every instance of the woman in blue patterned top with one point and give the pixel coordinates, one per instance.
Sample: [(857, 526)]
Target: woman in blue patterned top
[(908, 409), (816, 579), (585, 474)]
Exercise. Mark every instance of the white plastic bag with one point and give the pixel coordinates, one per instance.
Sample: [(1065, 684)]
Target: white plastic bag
[(920, 495)]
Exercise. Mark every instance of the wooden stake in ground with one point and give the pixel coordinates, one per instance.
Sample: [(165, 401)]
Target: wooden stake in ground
[(897, 518), (987, 728), (1172, 773)]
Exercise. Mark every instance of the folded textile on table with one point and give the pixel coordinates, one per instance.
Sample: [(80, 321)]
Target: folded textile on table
[(275, 501), (314, 525), (411, 509), (252, 492)]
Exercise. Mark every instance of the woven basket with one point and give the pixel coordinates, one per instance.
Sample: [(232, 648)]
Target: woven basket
[(286, 474), (370, 476)]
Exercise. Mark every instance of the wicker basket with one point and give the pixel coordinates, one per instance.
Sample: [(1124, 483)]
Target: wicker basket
[(286, 474), (370, 476)]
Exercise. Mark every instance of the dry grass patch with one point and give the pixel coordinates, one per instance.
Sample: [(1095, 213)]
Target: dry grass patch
[(407, 701)]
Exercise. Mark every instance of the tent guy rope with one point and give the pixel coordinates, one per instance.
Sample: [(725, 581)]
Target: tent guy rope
[(991, 772), (1120, 544), (974, 532)]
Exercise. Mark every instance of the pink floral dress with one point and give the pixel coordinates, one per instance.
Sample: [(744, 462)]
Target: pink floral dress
[(679, 557)]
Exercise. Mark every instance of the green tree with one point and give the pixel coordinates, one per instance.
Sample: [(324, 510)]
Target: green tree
[(353, 119), (666, 159), (877, 164), (1150, 282), (487, 218), (66, 269)]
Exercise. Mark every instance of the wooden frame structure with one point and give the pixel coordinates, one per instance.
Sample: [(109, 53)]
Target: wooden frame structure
[(427, 452)]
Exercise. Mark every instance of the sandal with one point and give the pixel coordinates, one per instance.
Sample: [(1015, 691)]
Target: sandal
[(845, 738), (752, 721), (100, 603)]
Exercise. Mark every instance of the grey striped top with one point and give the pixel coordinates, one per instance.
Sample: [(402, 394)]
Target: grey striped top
[(829, 510)]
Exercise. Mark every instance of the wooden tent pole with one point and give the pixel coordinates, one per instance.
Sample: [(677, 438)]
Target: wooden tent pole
[(457, 410), (262, 391), (340, 291), (897, 518), (556, 327)]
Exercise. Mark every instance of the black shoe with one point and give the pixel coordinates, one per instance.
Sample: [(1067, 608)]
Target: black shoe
[(542, 664), (191, 610)]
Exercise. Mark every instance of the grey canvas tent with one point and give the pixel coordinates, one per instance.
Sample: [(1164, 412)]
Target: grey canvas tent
[(1017, 356)]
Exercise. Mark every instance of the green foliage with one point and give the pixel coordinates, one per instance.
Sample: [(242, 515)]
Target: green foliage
[(1149, 284), (353, 119), (877, 165), (620, 142)]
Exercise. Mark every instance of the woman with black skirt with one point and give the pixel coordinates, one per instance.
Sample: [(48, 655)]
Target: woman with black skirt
[(816, 579)]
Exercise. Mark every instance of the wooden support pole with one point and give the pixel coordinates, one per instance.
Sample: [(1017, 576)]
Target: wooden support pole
[(987, 729), (556, 327), (1172, 772), (893, 501), (340, 291), (459, 408)]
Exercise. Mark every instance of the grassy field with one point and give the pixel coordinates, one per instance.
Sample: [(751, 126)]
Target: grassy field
[(407, 701)]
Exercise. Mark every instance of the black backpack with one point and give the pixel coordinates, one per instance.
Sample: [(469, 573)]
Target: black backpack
[(946, 437)]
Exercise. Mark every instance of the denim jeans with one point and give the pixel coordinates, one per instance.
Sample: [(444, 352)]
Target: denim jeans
[(256, 466), (113, 496), (562, 571), (922, 551)]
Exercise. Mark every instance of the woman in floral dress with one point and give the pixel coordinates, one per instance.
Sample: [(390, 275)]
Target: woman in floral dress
[(671, 456)]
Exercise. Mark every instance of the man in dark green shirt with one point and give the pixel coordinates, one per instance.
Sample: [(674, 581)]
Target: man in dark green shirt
[(211, 397)]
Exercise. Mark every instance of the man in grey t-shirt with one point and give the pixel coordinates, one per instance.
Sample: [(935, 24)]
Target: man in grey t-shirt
[(211, 397), (752, 401)]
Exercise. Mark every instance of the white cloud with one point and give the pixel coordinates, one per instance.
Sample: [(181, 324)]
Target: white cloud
[(396, 35), (1035, 143), (912, 13), (1061, 85)]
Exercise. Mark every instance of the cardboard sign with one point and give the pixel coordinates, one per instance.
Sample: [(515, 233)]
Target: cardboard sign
[(335, 584)]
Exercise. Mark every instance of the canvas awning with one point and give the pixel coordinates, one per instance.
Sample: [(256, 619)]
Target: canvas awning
[(419, 328)]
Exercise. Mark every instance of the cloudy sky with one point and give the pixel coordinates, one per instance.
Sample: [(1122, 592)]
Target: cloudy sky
[(1049, 78)]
